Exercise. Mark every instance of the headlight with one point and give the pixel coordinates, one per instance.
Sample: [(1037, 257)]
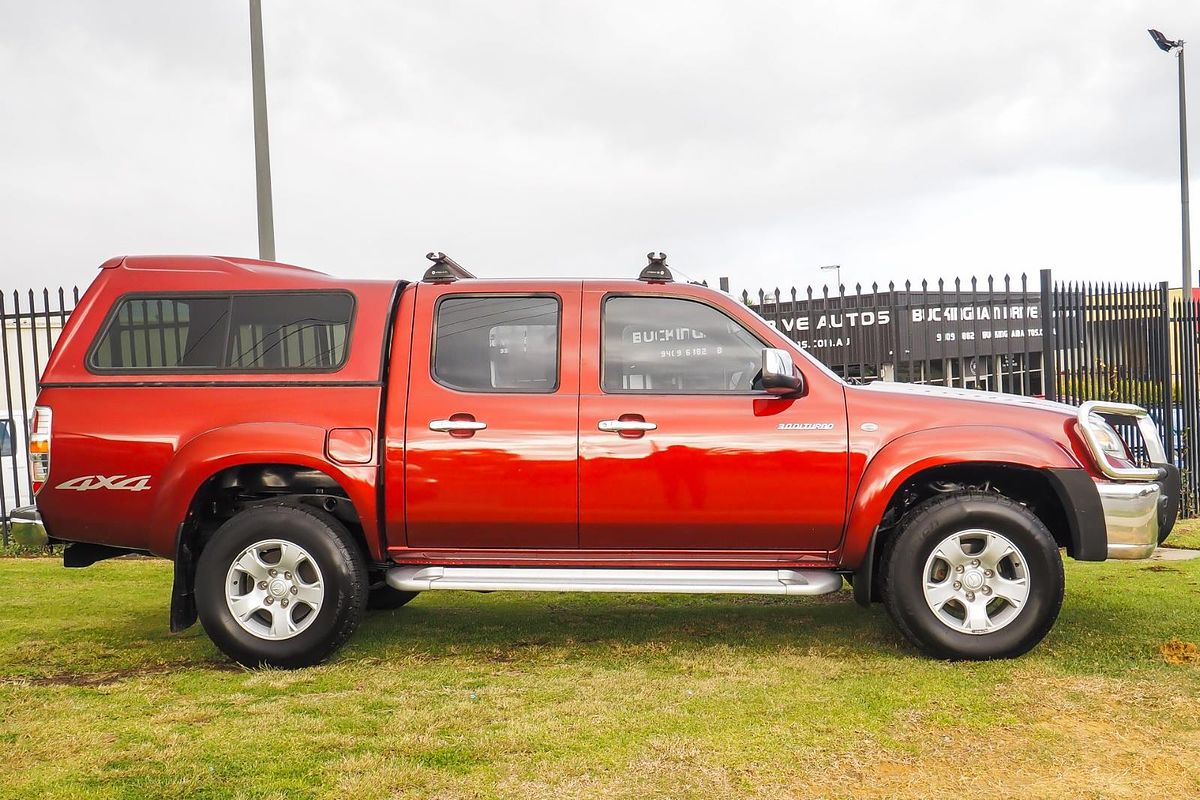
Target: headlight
[(1109, 440)]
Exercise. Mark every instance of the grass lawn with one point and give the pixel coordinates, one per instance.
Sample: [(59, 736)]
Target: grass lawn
[(588, 696), (1186, 534)]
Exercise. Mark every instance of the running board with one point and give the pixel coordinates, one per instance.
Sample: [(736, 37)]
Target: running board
[(581, 579)]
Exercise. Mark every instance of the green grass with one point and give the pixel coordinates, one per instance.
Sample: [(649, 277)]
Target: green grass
[(1185, 534), (523, 695)]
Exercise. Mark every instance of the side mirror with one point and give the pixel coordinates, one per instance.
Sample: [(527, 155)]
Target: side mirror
[(779, 373)]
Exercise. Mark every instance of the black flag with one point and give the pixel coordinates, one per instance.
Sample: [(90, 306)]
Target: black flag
[(1163, 42)]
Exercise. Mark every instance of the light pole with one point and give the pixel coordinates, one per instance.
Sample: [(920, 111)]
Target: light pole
[(262, 150), (1176, 47), (837, 267)]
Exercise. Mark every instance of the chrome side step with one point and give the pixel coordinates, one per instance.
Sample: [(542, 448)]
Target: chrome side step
[(583, 579)]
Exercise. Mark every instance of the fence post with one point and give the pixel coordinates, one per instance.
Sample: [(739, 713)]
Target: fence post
[(895, 334), (724, 284), (1049, 361), (1189, 309), (1168, 398)]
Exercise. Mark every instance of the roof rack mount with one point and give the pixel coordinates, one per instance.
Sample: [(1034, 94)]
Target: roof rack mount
[(444, 269), (656, 270)]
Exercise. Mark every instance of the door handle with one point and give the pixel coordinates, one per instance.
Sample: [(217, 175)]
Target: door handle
[(457, 425), (626, 426)]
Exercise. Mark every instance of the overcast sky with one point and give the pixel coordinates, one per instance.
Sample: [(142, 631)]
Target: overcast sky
[(755, 140)]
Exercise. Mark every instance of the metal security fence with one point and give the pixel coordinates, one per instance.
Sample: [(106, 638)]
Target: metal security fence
[(978, 333), (1110, 342), (1184, 415), (1072, 342), (32, 321), (1131, 343), (1126, 342)]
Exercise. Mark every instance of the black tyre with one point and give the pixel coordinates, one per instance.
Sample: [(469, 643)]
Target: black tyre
[(972, 576), (382, 597), (281, 585)]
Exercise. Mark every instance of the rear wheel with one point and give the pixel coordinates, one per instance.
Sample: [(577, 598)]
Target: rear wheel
[(973, 576), (282, 585)]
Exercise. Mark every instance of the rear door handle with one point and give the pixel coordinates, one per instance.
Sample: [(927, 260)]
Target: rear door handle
[(626, 426), (460, 423)]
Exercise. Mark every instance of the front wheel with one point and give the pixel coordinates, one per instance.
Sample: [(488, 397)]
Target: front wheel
[(281, 585), (973, 576)]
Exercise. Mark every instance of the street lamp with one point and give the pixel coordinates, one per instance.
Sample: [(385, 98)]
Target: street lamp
[(837, 267), (262, 150), (1176, 47)]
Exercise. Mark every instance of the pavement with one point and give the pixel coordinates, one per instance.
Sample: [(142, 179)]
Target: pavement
[(1174, 554)]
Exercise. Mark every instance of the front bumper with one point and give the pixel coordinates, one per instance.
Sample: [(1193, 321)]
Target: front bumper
[(1139, 515), (26, 528), (1131, 515), (1139, 502)]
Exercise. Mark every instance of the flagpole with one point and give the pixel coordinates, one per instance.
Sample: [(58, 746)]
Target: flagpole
[(1183, 182), (262, 149)]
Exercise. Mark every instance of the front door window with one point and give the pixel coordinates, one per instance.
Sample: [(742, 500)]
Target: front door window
[(662, 345)]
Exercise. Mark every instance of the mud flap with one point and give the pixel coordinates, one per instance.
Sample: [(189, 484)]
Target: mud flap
[(183, 599), (864, 578)]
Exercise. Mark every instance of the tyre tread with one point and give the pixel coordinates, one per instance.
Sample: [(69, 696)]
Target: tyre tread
[(943, 505), (350, 554), (355, 559)]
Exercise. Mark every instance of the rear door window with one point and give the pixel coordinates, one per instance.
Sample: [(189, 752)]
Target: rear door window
[(497, 343)]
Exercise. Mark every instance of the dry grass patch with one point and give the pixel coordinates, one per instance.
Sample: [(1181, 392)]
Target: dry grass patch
[(1177, 652)]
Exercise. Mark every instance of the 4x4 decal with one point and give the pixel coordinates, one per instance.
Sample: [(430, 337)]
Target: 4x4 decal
[(138, 483)]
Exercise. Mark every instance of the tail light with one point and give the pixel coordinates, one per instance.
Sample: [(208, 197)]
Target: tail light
[(39, 447)]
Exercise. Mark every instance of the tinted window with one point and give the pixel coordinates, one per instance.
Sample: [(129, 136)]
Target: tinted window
[(664, 345), (6, 438), (302, 331), (248, 332), (165, 333), (497, 344)]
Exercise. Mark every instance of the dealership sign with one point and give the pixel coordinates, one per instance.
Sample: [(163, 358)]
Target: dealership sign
[(922, 325)]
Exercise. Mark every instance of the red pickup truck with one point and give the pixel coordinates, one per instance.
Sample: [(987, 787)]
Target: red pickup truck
[(305, 448)]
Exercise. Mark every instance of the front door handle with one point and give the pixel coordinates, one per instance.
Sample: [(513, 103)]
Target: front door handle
[(626, 425), (631, 426), (458, 425)]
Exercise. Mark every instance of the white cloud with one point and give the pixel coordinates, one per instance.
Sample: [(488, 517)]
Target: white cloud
[(752, 140)]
